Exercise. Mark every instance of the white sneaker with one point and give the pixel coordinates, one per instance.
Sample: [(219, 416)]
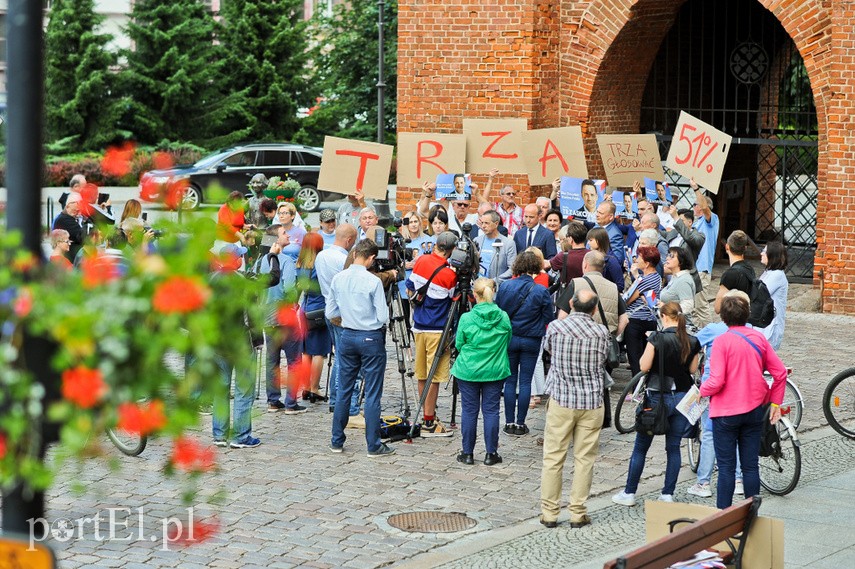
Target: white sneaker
[(624, 499), (702, 490), (666, 497), (738, 488)]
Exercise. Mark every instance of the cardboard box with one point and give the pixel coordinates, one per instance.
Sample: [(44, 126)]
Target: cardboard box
[(763, 550)]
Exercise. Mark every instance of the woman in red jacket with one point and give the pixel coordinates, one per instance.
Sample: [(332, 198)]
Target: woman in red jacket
[(738, 394)]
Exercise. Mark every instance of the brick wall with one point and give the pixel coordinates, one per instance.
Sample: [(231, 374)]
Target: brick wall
[(585, 62)]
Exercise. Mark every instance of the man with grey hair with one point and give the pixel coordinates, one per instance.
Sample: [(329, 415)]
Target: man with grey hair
[(497, 251), (510, 213), (706, 223), (68, 219), (543, 205), (348, 212), (367, 218), (579, 347)]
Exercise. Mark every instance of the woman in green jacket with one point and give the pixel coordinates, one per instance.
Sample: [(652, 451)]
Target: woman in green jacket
[(481, 367)]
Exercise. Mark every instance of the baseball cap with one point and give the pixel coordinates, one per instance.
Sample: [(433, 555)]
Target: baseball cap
[(446, 240), (327, 215)]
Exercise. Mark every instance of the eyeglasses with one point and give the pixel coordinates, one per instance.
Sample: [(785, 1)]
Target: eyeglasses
[(512, 194), (461, 204), (64, 241)]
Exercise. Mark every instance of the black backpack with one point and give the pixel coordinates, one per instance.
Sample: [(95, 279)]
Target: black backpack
[(762, 306)]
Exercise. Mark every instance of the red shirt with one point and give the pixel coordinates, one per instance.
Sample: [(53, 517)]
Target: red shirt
[(229, 222), (61, 261)]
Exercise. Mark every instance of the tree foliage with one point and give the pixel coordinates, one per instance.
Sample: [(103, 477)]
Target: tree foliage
[(266, 53), (345, 57), (80, 103), (174, 81)]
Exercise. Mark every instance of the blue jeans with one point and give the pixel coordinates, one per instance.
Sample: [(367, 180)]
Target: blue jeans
[(737, 433), (366, 351), (706, 462), (335, 334), (677, 429), (244, 396), (522, 353), (486, 395), (275, 346)]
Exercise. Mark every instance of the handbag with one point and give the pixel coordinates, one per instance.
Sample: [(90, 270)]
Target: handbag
[(613, 354), (653, 420), (315, 319)]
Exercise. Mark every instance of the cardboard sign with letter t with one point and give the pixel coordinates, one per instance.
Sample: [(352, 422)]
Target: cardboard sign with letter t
[(698, 150), (351, 165)]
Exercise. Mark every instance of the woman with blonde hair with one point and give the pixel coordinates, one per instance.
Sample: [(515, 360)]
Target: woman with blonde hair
[(317, 343), (483, 335)]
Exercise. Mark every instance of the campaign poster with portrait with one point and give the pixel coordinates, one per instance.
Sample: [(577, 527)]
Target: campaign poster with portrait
[(578, 201), (626, 206), (454, 186), (658, 193)]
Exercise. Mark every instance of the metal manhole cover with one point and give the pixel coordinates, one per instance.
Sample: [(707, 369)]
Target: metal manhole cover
[(431, 522)]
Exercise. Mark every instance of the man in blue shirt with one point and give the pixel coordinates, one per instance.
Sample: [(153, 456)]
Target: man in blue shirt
[(606, 220), (706, 223), (358, 301)]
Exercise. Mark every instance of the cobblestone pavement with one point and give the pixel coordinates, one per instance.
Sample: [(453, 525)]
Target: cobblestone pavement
[(292, 503)]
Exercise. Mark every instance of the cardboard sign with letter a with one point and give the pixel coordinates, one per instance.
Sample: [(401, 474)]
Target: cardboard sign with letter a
[(494, 143), (552, 153), (351, 165), (424, 156), (630, 157), (698, 150)]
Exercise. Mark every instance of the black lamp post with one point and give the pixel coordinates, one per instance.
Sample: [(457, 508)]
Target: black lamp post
[(382, 206)]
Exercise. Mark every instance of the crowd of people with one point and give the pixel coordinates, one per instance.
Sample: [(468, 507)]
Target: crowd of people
[(554, 302)]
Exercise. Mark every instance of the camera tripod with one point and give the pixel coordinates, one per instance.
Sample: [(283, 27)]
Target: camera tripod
[(461, 303), (402, 336)]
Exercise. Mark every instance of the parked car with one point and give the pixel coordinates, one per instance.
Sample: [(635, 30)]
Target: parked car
[(232, 169)]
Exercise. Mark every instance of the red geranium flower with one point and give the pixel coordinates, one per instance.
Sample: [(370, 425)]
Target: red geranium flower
[(141, 419), (117, 159), (24, 261), (225, 262), (98, 269), (190, 456), (299, 376), (83, 386), (180, 294), (194, 532), (2, 445), (175, 193), (23, 303), (162, 161)]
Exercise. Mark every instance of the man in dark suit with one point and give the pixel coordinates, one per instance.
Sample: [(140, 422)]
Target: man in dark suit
[(533, 234)]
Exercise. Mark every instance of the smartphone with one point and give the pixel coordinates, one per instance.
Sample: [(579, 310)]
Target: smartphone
[(145, 216)]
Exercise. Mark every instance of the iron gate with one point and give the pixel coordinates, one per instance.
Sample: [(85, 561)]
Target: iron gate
[(731, 64)]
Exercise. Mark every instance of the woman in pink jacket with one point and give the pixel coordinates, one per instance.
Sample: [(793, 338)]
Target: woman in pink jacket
[(738, 396)]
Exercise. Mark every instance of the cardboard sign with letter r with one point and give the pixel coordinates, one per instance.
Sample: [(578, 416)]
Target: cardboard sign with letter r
[(424, 156), (351, 165)]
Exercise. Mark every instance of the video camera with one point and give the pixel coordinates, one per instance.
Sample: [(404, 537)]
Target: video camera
[(393, 252), (465, 257)]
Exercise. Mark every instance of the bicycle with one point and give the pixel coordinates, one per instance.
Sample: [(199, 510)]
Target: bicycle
[(838, 403), (131, 444), (792, 407), (630, 398), (781, 469)]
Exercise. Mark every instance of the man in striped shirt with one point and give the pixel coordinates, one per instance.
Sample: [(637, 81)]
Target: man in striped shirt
[(579, 346)]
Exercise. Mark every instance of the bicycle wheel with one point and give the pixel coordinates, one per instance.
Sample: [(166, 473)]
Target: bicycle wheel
[(693, 449), (629, 400), (780, 472), (793, 400), (131, 444), (838, 403)]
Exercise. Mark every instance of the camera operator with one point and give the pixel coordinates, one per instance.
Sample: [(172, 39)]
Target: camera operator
[(138, 236), (429, 319), (357, 297)]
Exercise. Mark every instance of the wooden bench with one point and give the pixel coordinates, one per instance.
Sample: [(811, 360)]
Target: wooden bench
[(729, 525)]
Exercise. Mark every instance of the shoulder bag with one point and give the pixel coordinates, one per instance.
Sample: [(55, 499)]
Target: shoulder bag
[(421, 293), (654, 420), (613, 355)]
